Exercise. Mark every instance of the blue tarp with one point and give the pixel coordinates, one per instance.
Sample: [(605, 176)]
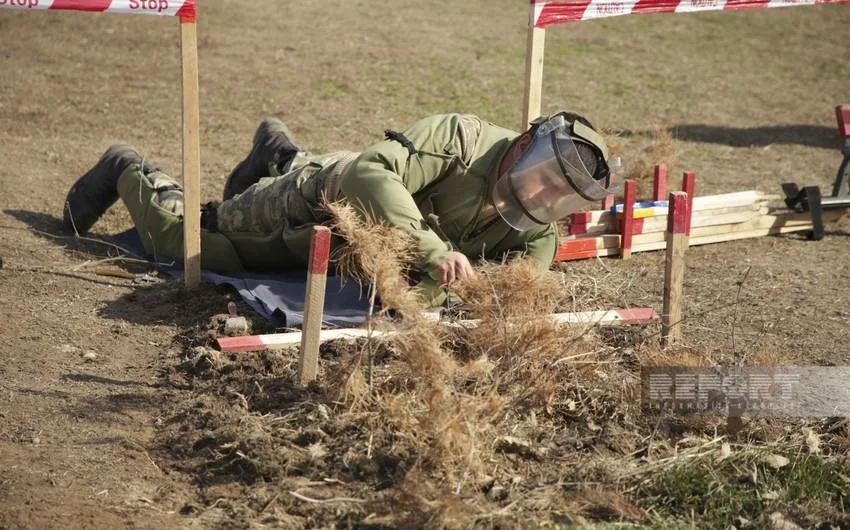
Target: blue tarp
[(277, 297)]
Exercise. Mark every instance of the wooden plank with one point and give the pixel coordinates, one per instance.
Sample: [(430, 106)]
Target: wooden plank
[(535, 40), (784, 222), (613, 317), (607, 245), (191, 154), (314, 304), (659, 223), (674, 268), (705, 202), (628, 220)]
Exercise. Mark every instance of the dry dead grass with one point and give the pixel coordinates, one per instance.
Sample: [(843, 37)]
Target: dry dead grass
[(450, 395), (654, 147)]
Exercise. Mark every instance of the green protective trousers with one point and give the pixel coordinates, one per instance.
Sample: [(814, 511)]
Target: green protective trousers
[(267, 228), (155, 202)]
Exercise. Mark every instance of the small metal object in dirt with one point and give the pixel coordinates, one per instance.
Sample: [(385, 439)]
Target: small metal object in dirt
[(234, 325)]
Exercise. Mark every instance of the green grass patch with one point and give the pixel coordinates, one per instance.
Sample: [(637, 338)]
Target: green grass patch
[(834, 69), (327, 89), (743, 487)]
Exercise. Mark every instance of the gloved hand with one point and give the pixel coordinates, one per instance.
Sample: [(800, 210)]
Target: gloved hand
[(455, 266)]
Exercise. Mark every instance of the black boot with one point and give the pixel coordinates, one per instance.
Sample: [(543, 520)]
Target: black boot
[(97, 190), (272, 144)]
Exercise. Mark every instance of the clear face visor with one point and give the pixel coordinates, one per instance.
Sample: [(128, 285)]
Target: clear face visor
[(549, 181)]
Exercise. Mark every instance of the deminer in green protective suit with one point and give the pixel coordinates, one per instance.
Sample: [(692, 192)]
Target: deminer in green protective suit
[(463, 188)]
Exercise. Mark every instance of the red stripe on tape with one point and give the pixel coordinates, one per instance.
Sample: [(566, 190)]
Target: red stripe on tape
[(320, 249), (81, 5), (732, 5), (654, 6), (554, 13)]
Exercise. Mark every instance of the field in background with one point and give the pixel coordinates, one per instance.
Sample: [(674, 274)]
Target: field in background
[(153, 433)]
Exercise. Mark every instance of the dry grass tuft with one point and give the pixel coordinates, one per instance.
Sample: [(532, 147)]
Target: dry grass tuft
[(516, 336), (654, 356), (448, 398), (433, 413), (640, 162)]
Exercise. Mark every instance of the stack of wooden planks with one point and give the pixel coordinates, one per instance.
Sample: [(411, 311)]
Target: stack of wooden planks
[(714, 218)]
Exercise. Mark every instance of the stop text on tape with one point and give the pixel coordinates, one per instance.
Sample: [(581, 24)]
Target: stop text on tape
[(150, 5), (26, 4)]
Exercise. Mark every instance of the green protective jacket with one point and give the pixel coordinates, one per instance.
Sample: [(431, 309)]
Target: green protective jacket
[(437, 189)]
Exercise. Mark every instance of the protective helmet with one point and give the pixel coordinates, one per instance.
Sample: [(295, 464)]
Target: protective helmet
[(550, 179)]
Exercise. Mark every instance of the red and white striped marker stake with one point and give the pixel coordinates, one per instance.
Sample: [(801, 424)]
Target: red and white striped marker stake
[(674, 267), (627, 224), (314, 304), (659, 183), (688, 183)]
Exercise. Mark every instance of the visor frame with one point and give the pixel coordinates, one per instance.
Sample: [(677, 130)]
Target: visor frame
[(511, 198)]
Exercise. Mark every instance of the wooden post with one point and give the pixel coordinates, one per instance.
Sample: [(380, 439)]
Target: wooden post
[(659, 183), (674, 268), (607, 202), (688, 183), (628, 220), (533, 71), (191, 155), (314, 304)]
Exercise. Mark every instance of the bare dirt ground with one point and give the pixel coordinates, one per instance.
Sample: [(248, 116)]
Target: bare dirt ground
[(135, 433)]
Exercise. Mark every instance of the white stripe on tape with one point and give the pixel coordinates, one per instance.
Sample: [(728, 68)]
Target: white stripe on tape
[(789, 3), (147, 7), (693, 6), (25, 4), (608, 8)]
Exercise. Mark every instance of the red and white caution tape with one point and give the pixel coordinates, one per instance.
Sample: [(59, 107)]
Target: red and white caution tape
[(184, 9), (546, 13)]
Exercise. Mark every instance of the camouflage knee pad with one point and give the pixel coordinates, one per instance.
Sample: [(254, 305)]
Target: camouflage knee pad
[(291, 200)]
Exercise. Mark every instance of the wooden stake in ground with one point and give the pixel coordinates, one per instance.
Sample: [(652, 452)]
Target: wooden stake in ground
[(314, 304), (659, 183), (628, 220), (674, 269), (533, 72), (688, 184), (191, 154)]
